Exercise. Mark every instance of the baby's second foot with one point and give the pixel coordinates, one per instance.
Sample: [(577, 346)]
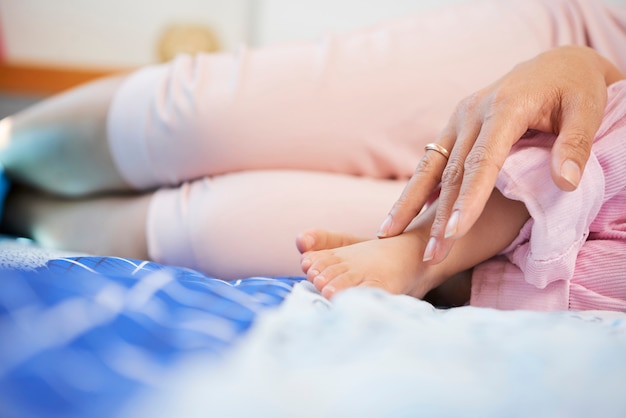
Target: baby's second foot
[(393, 264)]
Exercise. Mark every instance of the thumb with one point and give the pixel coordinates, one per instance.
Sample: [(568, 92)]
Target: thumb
[(572, 148), (580, 116), (570, 155)]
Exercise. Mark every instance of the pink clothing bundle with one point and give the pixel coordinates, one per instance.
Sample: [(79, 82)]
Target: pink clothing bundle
[(249, 149), (571, 254)]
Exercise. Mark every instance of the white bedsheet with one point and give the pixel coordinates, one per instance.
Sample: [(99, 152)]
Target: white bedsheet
[(370, 354), (25, 254)]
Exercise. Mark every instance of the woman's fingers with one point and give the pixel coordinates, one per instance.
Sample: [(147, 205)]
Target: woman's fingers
[(415, 195), (506, 119), (569, 157), (580, 120), (474, 167)]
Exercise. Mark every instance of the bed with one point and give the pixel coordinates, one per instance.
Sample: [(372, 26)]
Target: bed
[(89, 336)]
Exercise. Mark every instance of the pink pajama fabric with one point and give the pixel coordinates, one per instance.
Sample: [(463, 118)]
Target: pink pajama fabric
[(245, 224), (362, 103), (236, 137), (571, 254)]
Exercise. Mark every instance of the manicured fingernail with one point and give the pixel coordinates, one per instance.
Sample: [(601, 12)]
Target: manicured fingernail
[(453, 224), (383, 231), (570, 171), (429, 252)]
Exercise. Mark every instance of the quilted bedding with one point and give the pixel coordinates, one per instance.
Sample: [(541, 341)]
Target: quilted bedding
[(85, 336)]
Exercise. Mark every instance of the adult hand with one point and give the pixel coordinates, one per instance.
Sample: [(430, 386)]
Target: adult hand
[(563, 91)]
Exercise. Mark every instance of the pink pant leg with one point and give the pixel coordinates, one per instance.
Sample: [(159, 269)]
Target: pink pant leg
[(362, 103), (245, 224)]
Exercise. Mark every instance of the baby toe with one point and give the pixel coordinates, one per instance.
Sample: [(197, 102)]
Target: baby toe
[(340, 282), (318, 263), (328, 275)]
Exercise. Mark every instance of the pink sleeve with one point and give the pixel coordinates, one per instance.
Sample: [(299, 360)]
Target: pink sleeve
[(599, 281), (571, 254), (546, 249)]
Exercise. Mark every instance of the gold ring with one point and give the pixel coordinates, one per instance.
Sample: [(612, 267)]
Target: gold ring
[(437, 148)]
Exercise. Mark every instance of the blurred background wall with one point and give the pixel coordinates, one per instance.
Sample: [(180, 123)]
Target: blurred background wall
[(47, 46), (126, 33)]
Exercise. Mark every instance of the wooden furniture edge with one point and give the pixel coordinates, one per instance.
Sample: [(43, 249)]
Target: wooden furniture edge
[(44, 80)]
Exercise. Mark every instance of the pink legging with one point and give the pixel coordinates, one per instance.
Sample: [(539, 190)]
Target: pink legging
[(248, 149)]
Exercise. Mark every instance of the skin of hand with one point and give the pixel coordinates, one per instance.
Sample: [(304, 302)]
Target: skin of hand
[(562, 91)]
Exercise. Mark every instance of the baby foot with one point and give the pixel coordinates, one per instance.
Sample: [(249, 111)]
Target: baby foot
[(321, 239), (393, 264)]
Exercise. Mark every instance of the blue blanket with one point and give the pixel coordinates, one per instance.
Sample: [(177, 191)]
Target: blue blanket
[(80, 336)]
